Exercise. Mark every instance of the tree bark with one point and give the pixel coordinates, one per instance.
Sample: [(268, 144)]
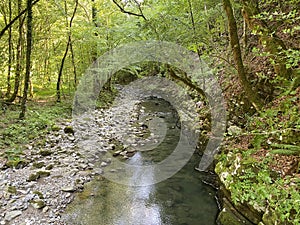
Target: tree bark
[(237, 55), (28, 58), (19, 56), (9, 53), (58, 83), (15, 19)]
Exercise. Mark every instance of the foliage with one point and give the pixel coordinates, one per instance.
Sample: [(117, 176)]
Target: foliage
[(252, 175), (256, 185), (15, 134)]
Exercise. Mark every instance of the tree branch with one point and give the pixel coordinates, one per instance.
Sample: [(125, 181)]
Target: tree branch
[(130, 13), (15, 19)]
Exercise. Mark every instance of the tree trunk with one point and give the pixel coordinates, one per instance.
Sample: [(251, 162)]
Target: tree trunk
[(271, 41), (15, 19), (74, 64), (28, 58), (9, 53), (237, 55), (19, 56), (58, 84)]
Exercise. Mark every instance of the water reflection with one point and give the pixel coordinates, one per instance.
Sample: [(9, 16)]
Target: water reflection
[(180, 200), (140, 209)]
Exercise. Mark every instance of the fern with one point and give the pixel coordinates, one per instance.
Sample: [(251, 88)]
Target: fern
[(285, 149)]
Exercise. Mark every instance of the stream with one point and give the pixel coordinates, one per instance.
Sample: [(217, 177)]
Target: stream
[(183, 199)]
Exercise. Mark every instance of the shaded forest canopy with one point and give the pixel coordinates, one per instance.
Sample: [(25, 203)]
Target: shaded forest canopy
[(252, 46)]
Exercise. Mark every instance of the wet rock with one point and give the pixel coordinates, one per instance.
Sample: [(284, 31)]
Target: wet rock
[(12, 214)]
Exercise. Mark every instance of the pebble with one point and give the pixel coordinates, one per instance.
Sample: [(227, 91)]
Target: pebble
[(12, 214), (73, 160), (69, 189)]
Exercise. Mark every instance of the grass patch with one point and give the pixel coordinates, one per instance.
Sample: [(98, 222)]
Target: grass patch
[(40, 118)]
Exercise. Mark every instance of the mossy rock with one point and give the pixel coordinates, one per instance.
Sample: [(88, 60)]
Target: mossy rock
[(43, 173), (38, 165), (12, 189), (49, 167), (33, 177), (45, 152), (228, 218), (69, 130), (38, 204), (37, 175), (16, 163), (270, 218), (40, 194), (55, 128)]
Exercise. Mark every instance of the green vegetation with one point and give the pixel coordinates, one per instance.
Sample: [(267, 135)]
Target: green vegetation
[(252, 46), (15, 134), (261, 166)]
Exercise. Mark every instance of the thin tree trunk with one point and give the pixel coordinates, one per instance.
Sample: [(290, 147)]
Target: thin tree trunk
[(9, 53), (94, 19), (15, 19), (28, 59), (58, 84), (237, 55), (73, 63), (19, 56), (245, 28)]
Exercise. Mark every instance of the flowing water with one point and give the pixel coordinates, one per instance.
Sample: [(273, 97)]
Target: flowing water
[(182, 199)]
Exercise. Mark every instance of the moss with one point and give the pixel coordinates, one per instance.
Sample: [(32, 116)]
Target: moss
[(69, 130), (33, 177), (38, 165), (49, 167), (43, 173), (228, 218), (41, 196), (12, 189), (38, 204), (45, 152), (55, 128)]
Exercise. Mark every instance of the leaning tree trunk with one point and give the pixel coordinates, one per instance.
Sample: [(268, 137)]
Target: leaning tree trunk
[(28, 58), (237, 55), (58, 84)]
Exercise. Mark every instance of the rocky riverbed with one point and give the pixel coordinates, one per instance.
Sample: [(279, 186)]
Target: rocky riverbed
[(74, 153)]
